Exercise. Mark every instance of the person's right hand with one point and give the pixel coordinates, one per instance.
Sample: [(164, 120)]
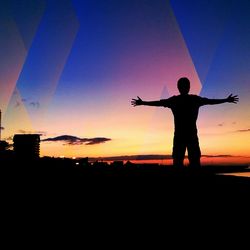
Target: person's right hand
[(136, 102), (233, 99)]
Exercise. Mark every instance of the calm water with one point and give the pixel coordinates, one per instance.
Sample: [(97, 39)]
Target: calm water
[(242, 174)]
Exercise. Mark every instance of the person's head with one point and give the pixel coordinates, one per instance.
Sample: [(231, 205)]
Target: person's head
[(183, 85)]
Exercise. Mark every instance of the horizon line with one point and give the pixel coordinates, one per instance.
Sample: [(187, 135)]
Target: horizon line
[(145, 157)]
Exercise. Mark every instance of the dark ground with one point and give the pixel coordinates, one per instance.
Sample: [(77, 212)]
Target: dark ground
[(150, 182), (114, 202)]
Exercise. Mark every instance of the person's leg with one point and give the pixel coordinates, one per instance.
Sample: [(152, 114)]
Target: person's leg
[(179, 148), (194, 153)]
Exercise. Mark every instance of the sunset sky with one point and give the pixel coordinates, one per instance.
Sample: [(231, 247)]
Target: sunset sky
[(71, 67)]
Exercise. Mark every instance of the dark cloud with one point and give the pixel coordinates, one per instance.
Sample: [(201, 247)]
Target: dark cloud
[(35, 104), (97, 140), (220, 124), (243, 130), (73, 140), (18, 104)]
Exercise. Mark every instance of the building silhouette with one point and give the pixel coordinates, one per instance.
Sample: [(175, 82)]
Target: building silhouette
[(27, 146), (5, 153)]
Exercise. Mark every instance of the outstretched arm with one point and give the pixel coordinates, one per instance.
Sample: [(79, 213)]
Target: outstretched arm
[(230, 99), (139, 101)]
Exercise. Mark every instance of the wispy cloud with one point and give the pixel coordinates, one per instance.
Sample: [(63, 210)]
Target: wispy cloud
[(73, 140), (32, 132), (243, 130), (18, 104), (217, 156), (151, 157), (9, 138), (34, 104)]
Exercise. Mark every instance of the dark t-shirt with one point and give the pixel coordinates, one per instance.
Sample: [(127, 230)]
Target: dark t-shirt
[(185, 109)]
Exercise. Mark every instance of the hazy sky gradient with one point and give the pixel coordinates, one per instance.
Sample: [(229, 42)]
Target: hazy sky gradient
[(72, 67)]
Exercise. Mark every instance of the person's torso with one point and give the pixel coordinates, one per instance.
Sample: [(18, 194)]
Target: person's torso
[(185, 109)]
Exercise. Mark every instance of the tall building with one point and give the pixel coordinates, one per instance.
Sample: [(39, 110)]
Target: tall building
[(27, 146)]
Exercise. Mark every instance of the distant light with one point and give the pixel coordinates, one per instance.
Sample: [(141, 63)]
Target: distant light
[(77, 163)]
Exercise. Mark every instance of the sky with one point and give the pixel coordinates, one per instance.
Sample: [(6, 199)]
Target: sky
[(69, 69)]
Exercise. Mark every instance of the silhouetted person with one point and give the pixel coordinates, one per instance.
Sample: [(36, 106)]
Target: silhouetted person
[(185, 109)]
